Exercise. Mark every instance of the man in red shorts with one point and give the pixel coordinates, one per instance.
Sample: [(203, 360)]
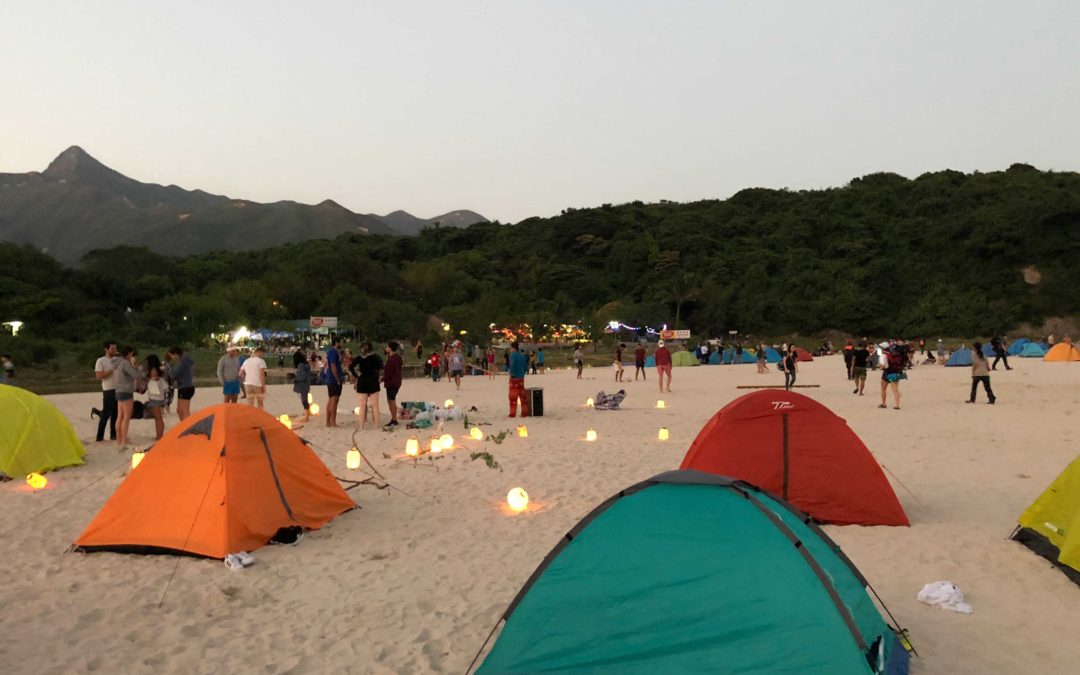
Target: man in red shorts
[(663, 365)]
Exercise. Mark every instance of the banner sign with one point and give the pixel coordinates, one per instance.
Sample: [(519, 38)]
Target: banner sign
[(324, 322), (675, 335)]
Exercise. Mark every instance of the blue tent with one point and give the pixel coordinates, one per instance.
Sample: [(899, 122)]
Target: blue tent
[(1032, 350), (1018, 346), (987, 350), (747, 357), (961, 357), (714, 359), (650, 361), (772, 355)]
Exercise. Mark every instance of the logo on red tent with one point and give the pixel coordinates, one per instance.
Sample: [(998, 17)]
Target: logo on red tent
[(782, 405)]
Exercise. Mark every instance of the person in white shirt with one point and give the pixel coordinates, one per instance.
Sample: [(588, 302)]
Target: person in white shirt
[(253, 374), (105, 372)]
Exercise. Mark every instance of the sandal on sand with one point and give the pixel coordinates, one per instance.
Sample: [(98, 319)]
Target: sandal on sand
[(896, 407), (883, 406)]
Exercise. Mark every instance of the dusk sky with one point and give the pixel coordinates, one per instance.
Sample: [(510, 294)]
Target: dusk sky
[(516, 109)]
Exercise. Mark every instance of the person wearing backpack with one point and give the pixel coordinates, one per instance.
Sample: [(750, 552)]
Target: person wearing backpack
[(895, 358)]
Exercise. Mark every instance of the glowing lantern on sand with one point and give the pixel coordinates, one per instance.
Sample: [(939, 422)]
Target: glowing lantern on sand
[(352, 459), (448, 403), (286, 420), (663, 433), (446, 441), (476, 434), (136, 458), (517, 499), (523, 432), (661, 404), (313, 409), (589, 403), (36, 481), (412, 447), (590, 435), (436, 445), (356, 410)]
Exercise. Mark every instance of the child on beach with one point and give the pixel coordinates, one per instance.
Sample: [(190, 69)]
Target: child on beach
[(156, 390)]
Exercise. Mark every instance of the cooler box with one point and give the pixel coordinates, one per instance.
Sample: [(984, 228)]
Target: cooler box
[(535, 397)]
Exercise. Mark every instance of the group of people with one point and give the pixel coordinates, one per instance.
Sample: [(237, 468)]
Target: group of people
[(369, 373)]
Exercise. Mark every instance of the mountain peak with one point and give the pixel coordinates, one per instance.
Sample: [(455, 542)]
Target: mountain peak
[(75, 163)]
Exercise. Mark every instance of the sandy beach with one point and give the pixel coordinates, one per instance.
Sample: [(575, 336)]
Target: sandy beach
[(413, 583)]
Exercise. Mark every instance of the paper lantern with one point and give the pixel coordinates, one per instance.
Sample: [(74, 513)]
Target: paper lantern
[(412, 447), (286, 420), (352, 459), (136, 458), (36, 481), (446, 441), (476, 434), (663, 433), (448, 403), (310, 399), (517, 499), (356, 410), (590, 435), (661, 404), (523, 432), (313, 408), (436, 445), (589, 403)]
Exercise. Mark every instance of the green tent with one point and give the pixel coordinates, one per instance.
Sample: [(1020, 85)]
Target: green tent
[(1051, 525), (684, 359), (690, 572), (35, 436)]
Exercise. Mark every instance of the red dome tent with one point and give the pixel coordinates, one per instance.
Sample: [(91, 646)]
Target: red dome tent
[(803, 355), (798, 449)]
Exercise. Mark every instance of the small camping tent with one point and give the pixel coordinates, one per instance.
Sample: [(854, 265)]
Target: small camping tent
[(1051, 525), (693, 573), (772, 355), (222, 481), (961, 357), (803, 355), (1064, 352), (714, 359), (35, 436), (1017, 346), (988, 350), (730, 356), (684, 358), (1032, 350), (800, 450), (650, 361)]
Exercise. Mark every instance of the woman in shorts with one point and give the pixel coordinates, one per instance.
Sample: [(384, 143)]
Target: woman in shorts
[(366, 370)]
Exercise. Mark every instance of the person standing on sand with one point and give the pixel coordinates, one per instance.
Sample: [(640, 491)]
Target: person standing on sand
[(891, 376), (392, 379), (848, 349), (940, 350), (663, 365), (302, 380), (433, 363), (639, 362), (618, 362), (366, 371), (489, 356), (762, 362), (183, 373), (419, 349), (126, 377), (579, 360), (155, 394), (860, 359), (105, 372), (456, 366), (791, 368), (228, 373), (518, 365), (1000, 353), (980, 372), (540, 358), (334, 378), (254, 373)]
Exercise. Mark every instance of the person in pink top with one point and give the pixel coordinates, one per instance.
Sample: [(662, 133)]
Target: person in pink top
[(663, 365)]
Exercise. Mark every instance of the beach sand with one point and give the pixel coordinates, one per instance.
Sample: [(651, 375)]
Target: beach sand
[(413, 584)]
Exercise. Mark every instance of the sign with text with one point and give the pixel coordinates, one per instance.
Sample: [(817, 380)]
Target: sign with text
[(674, 335), (324, 322)]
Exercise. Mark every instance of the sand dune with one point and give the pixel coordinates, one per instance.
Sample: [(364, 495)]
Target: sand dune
[(413, 584)]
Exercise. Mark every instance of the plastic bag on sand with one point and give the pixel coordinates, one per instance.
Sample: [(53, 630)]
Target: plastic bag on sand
[(944, 594), (238, 561)]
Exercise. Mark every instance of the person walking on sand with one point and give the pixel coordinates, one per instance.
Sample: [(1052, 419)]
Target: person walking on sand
[(618, 362), (791, 368), (366, 371), (302, 380), (518, 366), (848, 349), (540, 359), (433, 363), (456, 366), (639, 362), (1000, 353), (663, 365), (940, 350), (892, 374), (127, 375), (392, 379), (254, 374), (980, 372), (579, 360), (334, 378), (183, 373), (105, 372), (489, 357), (228, 373), (860, 359), (762, 362)]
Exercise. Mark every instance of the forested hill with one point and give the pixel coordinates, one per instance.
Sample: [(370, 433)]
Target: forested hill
[(943, 253)]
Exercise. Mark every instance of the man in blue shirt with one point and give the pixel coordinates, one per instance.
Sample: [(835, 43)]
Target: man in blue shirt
[(518, 365), (334, 378)]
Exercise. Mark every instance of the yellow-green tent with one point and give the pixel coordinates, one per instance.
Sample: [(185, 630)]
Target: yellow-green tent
[(1051, 525), (684, 359), (34, 435)]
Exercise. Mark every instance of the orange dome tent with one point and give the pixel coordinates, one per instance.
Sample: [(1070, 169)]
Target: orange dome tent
[(1063, 351), (799, 450), (222, 481)]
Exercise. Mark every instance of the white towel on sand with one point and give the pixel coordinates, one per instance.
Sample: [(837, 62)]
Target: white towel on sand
[(946, 595)]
